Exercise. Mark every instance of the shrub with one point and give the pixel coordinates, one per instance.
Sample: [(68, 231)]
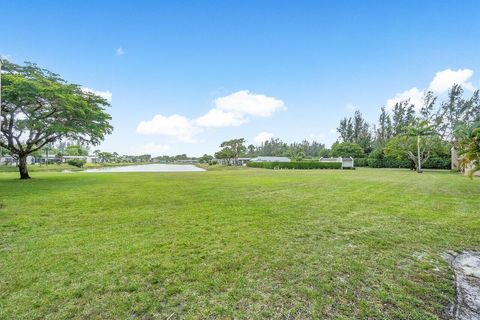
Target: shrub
[(76, 162), (361, 162), (296, 165), (376, 159), (375, 163), (389, 162), (437, 163)]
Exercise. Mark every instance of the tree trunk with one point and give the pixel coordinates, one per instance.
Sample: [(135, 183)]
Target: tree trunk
[(22, 167), (419, 166)]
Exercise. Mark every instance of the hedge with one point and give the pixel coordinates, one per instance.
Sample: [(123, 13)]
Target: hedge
[(360, 162), (431, 163), (296, 165), (388, 163), (438, 163)]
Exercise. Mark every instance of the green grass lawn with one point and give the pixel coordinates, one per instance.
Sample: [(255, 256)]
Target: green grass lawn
[(67, 167), (246, 243), (38, 168)]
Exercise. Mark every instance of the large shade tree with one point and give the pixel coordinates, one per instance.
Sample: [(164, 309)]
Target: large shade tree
[(225, 154), (347, 149), (233, 147), (39, 107)]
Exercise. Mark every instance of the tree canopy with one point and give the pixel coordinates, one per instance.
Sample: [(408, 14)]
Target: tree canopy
[(347, 149), (417, 144), (356, 130), (39, 107), (416, 132), (276, 147), (232, 149)]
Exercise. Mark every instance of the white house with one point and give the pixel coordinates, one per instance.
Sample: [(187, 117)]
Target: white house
[(347, 162), (187, 161), (242, 161), (87, 159), (270, 159), (9, 160), (48, 159)]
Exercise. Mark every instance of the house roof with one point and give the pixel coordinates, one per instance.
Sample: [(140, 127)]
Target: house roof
[(330, 159), (271, 159), (339, 159), (78, 157)]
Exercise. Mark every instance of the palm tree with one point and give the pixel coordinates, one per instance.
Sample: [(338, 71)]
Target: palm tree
[(468, 144), (419, 130)]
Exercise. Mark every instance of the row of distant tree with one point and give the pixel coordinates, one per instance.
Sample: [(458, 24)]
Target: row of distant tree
[(39, 110), (406, 135), (60, 149), (75, 149), (416, 133)]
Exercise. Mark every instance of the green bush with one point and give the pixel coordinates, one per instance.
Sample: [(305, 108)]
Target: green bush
[(361, 162), (374, 163), (76, 162), (388, 162), (296, 165), (437, 163)]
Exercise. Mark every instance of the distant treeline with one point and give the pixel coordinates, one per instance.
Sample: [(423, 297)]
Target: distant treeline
[(276, 147)]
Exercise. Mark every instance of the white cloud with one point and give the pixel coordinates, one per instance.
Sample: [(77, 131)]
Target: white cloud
[(414, 95), (120, 51), (176, 126), (155, 148), (349, 107), (107, 95), (233, 110), (263, 136), (220, 118), (244, 102), (445, 79), (440, 84), (229, 111)]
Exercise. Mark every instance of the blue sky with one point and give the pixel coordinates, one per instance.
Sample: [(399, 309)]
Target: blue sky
[(186, 75)]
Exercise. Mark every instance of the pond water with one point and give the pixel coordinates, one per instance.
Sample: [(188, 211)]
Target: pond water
[(150, 168)]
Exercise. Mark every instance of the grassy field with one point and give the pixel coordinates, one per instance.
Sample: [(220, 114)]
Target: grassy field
[(246, 243), (38, 168), (67, 167)]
